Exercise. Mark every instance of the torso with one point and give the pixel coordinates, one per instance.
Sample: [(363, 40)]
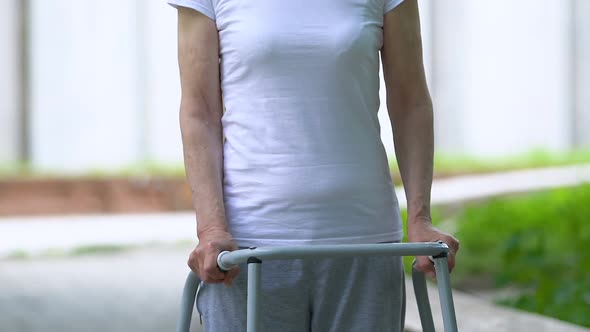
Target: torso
[(303, 159)]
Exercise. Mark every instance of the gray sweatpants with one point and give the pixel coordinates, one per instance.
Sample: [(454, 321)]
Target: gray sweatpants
[(321, 295)]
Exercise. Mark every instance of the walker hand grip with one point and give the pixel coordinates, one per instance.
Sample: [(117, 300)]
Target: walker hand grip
[(221, 264)]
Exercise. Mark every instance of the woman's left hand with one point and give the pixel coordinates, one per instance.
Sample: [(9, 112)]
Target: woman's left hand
[(421, 230)]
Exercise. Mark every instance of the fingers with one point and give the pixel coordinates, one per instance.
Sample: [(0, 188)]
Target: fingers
[(211, 272), (453, 245), (193, 263), (203, 262), (230, 276), (424, 264)]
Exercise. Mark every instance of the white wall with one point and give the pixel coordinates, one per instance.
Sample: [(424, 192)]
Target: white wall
[(502, 77), (10, 81), (84, 85), (449, 78), (161, 82), (581, 48), (105, 89)]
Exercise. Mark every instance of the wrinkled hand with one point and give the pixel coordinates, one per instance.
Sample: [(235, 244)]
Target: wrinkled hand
[(203, 259), (423, 231)]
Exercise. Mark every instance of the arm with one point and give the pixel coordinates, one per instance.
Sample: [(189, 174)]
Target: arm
[(410, 111), (202, 139)]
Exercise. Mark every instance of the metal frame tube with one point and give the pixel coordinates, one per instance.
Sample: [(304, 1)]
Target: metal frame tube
[(421, 292), (443, 279), (255, 256), (227, 260), (188, 301), (253, 298)]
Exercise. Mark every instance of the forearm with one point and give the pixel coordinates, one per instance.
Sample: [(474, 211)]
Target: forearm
[(410, 110), (201, 111), (414, 148), (202, 141)]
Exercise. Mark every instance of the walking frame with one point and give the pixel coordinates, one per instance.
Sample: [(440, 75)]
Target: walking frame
[(254, 257)]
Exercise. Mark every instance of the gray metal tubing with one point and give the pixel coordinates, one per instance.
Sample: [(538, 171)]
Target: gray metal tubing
[(253, 321), (227, 260), (421, 291), (443, 279), (188, 301)]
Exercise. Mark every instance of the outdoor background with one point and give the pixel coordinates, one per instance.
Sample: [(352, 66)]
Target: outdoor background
[(95, 220)]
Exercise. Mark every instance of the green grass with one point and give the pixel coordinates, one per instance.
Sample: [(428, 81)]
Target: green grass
[(532, 159), (97, 250), (148, 168), (100, 249), (445, 164), (13, 169), (538, 243), (18, 255), (453, 164), (139, 169)]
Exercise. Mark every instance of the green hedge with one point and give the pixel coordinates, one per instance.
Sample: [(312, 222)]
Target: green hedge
[(539, 243)]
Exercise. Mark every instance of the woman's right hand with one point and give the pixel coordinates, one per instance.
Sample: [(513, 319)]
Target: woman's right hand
[(203, 259)]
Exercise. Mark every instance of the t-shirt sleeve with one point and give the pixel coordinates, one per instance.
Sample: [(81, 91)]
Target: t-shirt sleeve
[(204, 7), (391, 4)]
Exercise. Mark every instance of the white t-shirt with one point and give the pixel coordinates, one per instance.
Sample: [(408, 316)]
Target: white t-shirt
[(303, 158)]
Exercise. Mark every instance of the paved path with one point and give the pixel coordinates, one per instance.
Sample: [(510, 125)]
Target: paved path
[(139, 290), (134, 291), (38, 234), (464, 188), (475, 314)]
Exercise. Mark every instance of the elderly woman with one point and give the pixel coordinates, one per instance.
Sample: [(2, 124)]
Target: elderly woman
[(282, 147)]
